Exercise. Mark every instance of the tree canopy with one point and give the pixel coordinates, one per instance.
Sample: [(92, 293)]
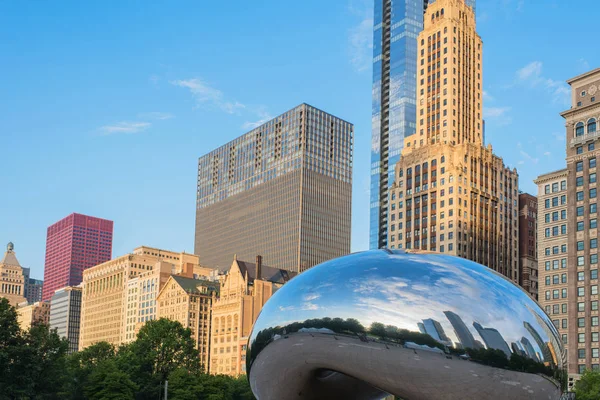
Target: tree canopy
[(35, 365)]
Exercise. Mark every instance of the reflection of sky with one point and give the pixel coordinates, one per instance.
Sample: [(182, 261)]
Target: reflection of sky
[(403, 290)]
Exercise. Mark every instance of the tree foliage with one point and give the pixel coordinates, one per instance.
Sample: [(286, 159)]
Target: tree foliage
[(35, 365), (588, 387)]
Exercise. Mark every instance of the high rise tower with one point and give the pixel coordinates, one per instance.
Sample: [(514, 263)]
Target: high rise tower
[(282, 190), (396, 27), (74, 244), (450, 193)]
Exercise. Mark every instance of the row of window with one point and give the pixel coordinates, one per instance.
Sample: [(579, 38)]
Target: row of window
[(563, 186), (563, 249), (590, 148), (554, 231), (554, 201), (554, 280), (593, 290), (593, 209), (554, 216), (579, 179), (593, 224), (579, 164), (580, 127)]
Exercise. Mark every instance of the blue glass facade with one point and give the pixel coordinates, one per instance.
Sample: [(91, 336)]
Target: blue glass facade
[(397, 24)]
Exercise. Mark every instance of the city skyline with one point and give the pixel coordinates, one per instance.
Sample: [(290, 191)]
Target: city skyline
[(169, 104)]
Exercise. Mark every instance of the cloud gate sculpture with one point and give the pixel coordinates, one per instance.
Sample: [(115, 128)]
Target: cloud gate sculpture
[(414, 325)]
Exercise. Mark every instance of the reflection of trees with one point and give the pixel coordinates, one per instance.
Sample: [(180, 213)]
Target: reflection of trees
[(497, 358), (394, 334), (349, 326)]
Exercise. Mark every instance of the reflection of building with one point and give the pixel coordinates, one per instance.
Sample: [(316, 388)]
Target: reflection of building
[(394, 114), (451, 193), (434, 329), (113, 309), (36, 313), (531, 353), (282, 190), (517, 348), (12, 281), (74, 244), (492, 338), (546, 353), (189, 301), (244, 290), (65, 314), (461, 330), (528, 265)]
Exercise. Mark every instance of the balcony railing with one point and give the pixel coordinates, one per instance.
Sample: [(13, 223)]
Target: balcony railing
[(584, 138)]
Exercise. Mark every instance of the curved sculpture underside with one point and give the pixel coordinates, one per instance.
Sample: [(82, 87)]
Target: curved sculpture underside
[(418, 326)]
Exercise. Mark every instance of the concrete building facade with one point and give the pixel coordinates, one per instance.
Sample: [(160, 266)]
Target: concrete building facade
[(553, 250), (582, 140), (65, 315), (528, 259), (189, 301), (243, 291), (283, 190), (12, 280), (451, 194), (110, 311), (31, 314), (73, 244)]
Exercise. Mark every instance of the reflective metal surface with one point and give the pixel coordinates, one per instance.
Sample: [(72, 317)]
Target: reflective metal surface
[(418, 326)]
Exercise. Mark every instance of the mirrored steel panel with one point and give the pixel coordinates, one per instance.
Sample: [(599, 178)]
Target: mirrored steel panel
[(418, 326)]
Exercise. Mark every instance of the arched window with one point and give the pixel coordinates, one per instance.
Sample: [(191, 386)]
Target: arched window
[(579, 129), (592, 125)]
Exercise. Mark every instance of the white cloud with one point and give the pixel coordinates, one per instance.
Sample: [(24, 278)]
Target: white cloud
[(495, 112), (360, 36), (531, 74), (498, 116), (207, 95), (526, 156), (154, 79), (156, 115), (487, 96), (264, 117), (126, 127), (547, 154)]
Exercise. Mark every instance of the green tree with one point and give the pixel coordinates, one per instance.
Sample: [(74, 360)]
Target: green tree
[(107, 382), (46, 362), (83, 363), (377, 329), (241, 388), (161, 347), (11, 357), (588, 387)]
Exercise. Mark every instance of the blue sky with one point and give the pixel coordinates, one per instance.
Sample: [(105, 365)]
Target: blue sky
[(105, 110)]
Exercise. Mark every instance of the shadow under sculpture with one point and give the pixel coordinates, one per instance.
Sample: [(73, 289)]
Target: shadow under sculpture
[(415, 325)]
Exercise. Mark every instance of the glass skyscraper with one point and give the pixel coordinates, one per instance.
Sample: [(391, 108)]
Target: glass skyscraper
[(396, 26)]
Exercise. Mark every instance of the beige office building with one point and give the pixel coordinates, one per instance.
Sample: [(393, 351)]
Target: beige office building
[(119, 296), (244, 290), (36, 313), (451, 193), (283, 190), (189, 301), (12, 281), (553, 250)]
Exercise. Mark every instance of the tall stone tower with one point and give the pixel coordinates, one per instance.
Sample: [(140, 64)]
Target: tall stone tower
[(451, 194)]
